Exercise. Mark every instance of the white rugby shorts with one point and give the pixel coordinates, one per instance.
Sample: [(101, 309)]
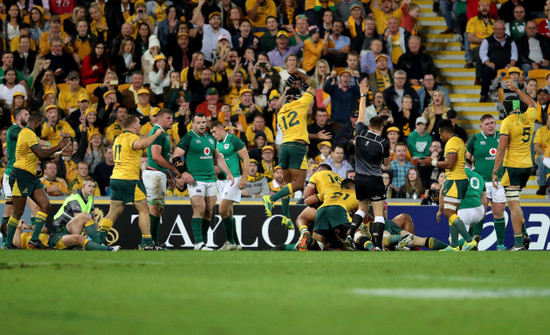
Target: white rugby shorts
[(155, 184), (471, 216), (228, 191), (203, 189), (495, 194)]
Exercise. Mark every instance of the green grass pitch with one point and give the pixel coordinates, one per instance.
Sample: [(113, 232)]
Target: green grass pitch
[(253, 292)]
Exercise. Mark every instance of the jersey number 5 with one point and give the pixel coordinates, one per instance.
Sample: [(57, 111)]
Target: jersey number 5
[(292, 120), (526, 132)]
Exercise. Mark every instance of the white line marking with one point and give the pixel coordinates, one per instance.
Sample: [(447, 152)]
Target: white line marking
[(453, 278), (453, 293)]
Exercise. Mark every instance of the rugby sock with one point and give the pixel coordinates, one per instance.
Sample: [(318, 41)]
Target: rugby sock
[(286, 206), (12, 227), (146, 240), (435, 244), (91, 245), (476, 228), (155, 227), (33, 221), (4, 229), (91, 231), (228, 225), (356, 221), (104, 228), (40, 221), (290, 247), (303, 229), (366, 243), (286, 190), (392, 240), (523, 230), (196, 225), (234, 230), (454, 236), (518, 240), (461, 243), (499, 229), (204, 229), (460, 228)]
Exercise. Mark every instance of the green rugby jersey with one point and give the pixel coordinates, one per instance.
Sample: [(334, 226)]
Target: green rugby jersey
[(484, 148), (476, 185), (229, 148), (11, 143), (199, 155), (164, 143)]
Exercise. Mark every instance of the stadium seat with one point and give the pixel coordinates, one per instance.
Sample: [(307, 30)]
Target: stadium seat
[(540, 76), (160, 105), (62, 86), (91, 88), (259, 34), (122, 87), (539, 20)]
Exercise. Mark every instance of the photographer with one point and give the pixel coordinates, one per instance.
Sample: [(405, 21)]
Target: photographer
[(432, 199)]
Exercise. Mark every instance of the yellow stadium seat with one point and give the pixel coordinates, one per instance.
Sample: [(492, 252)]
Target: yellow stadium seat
[(540, 76), (62, 86), (90, 88), (122, 87)]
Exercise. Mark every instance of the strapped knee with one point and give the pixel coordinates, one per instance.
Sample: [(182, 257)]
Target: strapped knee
[(512, 194)]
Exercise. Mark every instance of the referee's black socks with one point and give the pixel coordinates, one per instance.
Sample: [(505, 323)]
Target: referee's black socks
[(356, 221), (378, 233)]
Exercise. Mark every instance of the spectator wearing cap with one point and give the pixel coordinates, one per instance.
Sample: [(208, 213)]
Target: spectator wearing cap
[(355, 22), (419, 141), (244, 39), (368, 58), (54, 130), (344, 10), (148, 58), (336, 161), (104, 113), (268, 162), (400, 165), (247, 106), (88, 126), (340, 46), (496, 52), (115, 128), (140, 16), (143, 107), (394, 135), (83, 102), (429, 85), (382, 77), (258, 125), (159, 77), (314, 48), (278, 181), (24, 57), (517, 78), (459, 131), (383, 11), (325, 150), (54, 33), (397, 40), (393, 95), (260, 141), (211, 106), (277, 56), (146, 128), (68, 98), (343, 97), (534, 49), (256, 184), (416, 62), (62, 62), (210, 32), (319, 131), (258, 11), (268, 41)]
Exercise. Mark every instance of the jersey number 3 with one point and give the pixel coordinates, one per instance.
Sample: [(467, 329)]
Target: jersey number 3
[(292, 120)]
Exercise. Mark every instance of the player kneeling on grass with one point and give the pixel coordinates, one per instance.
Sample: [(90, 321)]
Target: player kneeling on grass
[(233, 151), (126, 186)]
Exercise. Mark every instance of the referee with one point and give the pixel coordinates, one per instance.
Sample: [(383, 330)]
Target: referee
[(371, 152)]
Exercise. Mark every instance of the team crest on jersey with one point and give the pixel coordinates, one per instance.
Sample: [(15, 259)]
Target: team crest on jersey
[(211, 141), (198, 141), (226, 146), (482, 142), (492, 151), (207, 151)]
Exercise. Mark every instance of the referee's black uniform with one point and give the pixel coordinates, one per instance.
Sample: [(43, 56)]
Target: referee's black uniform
[(371, 150)]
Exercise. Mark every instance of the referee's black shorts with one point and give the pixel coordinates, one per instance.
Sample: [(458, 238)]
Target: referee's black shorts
[(369, 188)]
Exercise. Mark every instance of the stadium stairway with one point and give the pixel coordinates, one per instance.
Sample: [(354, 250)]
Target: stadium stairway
[(449, 59)]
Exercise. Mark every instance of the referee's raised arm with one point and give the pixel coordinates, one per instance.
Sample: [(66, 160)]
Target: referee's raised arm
[(364, 90)]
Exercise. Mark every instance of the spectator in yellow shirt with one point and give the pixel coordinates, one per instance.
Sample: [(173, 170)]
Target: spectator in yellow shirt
[(82, 173), (68, 98), (54, 130), (115, 128), (54, 186), (259, 10), (314, 48)]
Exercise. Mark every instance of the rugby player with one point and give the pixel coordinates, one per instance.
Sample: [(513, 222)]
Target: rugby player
[(198, 172), (20, 116), (233, 150), (455, 186), (126, 186), (157, 171), (371, 152), (292, 119), (514, 153), (24, 181), (482, 148)]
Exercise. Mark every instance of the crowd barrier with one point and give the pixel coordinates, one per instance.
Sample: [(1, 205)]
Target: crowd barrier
[(257, 232)]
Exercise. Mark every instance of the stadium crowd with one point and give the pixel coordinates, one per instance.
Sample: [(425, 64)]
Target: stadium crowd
[(86, 65)]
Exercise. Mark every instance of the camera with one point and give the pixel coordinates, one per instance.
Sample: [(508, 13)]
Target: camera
[(385, 117), (433, 193), (262, 64)]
